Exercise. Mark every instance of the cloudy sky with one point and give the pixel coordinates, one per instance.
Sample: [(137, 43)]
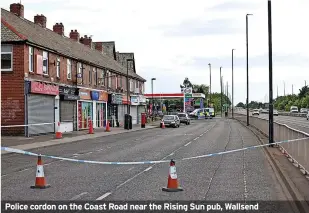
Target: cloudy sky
[(175, 39)]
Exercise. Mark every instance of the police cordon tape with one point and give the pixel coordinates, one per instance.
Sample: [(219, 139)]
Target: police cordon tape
[(8, 149)]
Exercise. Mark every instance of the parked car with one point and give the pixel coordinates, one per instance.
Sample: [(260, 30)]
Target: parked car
[(294, 109), (308, 115), (256, 112), (303, 110), (276, 113), (184, 118), (171, 120)]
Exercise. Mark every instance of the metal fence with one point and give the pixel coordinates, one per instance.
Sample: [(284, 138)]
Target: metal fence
[(297, 151)]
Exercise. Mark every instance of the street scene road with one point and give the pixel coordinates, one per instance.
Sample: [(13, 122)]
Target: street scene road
[(244, 175)]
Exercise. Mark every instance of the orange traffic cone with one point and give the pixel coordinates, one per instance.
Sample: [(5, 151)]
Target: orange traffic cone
[(162, 125), (107, 127), (172, 184), (40, 182), (90, 127), (58, 133)]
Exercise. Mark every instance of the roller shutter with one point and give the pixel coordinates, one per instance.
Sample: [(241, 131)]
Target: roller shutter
[(68, 112), (41, 110), (134, 114), (121, 112)]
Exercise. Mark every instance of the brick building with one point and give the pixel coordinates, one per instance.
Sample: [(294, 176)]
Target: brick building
[(48, 78)]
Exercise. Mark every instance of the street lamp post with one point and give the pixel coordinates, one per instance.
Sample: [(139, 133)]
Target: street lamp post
[(271, 107), (153, 79), (209, 84), (128, 88), (221, 90), (233, 83), (247, 102)]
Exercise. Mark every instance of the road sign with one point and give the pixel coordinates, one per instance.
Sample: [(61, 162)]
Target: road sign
[(188, 95), (225, 105), (186, 90)]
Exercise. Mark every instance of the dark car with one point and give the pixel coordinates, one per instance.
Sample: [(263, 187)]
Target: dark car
[(171, 120), (184, 118)]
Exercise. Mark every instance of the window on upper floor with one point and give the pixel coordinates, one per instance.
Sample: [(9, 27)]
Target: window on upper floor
[(137, 84), (69, 69), (109, 79), (6, 58), (31, 59), (95, 70), (58, 68), (120, 81), (131, 85), (103, 76), (90, 76), (45, 63)]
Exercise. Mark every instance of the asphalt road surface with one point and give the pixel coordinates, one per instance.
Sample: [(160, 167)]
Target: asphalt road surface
[(299, 123), (243, 176)]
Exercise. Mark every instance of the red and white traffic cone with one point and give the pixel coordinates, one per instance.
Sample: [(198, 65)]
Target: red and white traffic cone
[(162, 125), (40, 182), (58, 133), (172, 183), (90, 127)]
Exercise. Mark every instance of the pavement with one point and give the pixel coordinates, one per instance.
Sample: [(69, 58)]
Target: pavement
[(298, 123), (244, 176), (26, 143)]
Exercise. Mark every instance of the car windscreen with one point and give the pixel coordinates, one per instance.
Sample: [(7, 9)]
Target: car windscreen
[(168, 117), (293, 108), (181, 115)]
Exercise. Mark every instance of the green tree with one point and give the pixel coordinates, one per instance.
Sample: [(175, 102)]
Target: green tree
[(240, 104), (303, 92)]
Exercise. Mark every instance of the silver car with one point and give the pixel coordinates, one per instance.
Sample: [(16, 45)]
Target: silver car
[(171, 120), (184, 118), (308, 115)]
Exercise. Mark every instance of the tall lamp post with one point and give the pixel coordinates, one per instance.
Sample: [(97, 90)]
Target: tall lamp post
[(209, 84), (247, 102), (271, 107), (128, 88), (153, 79), (221, 90), (233, 83)]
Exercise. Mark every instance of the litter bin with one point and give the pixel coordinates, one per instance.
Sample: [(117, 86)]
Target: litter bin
[(225, 114), (127, 121)]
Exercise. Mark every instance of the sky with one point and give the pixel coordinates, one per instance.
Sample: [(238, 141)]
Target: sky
[(175, 39)]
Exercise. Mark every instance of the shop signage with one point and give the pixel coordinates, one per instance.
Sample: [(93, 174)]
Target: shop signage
[(115, 98), (84, 94), (125, 100), (142, 99), (67, 91), (95, 95), (42, 88), (69, 97), (134, 100), (103, 96)]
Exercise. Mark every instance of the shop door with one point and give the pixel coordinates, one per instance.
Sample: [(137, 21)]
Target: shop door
[(84, 114), (101, 114), (134, 114), (68, 112), (41, 110)]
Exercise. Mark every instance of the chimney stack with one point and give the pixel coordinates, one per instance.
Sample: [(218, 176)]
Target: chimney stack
[(17, 9), (40, 20), (99, 46), (59, 28), (74, 35), (86, 41)]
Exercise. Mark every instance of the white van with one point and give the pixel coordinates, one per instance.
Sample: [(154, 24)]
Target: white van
[(294, 109)]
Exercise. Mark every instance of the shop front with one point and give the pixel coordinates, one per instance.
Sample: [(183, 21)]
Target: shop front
[(42, 107), (68, 107), (141, 108), (100, 99), (134, 108), (84, 109), (115, 111)]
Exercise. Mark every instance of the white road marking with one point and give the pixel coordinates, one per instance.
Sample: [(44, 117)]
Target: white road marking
[(171, 154), (130, 169), (195, 138), (88, 153), (78, 196), (75, 154), (148, 169), (201, 135), (3, 175), (188, 143), (104, 196)]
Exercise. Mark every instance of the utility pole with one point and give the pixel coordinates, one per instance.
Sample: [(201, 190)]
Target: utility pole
[(233, 83), (271, 108), (277, 91), (227, 95), (247, 45), (209, 83), (221, 90), (292, 90), (305, 83), (284, 88)]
